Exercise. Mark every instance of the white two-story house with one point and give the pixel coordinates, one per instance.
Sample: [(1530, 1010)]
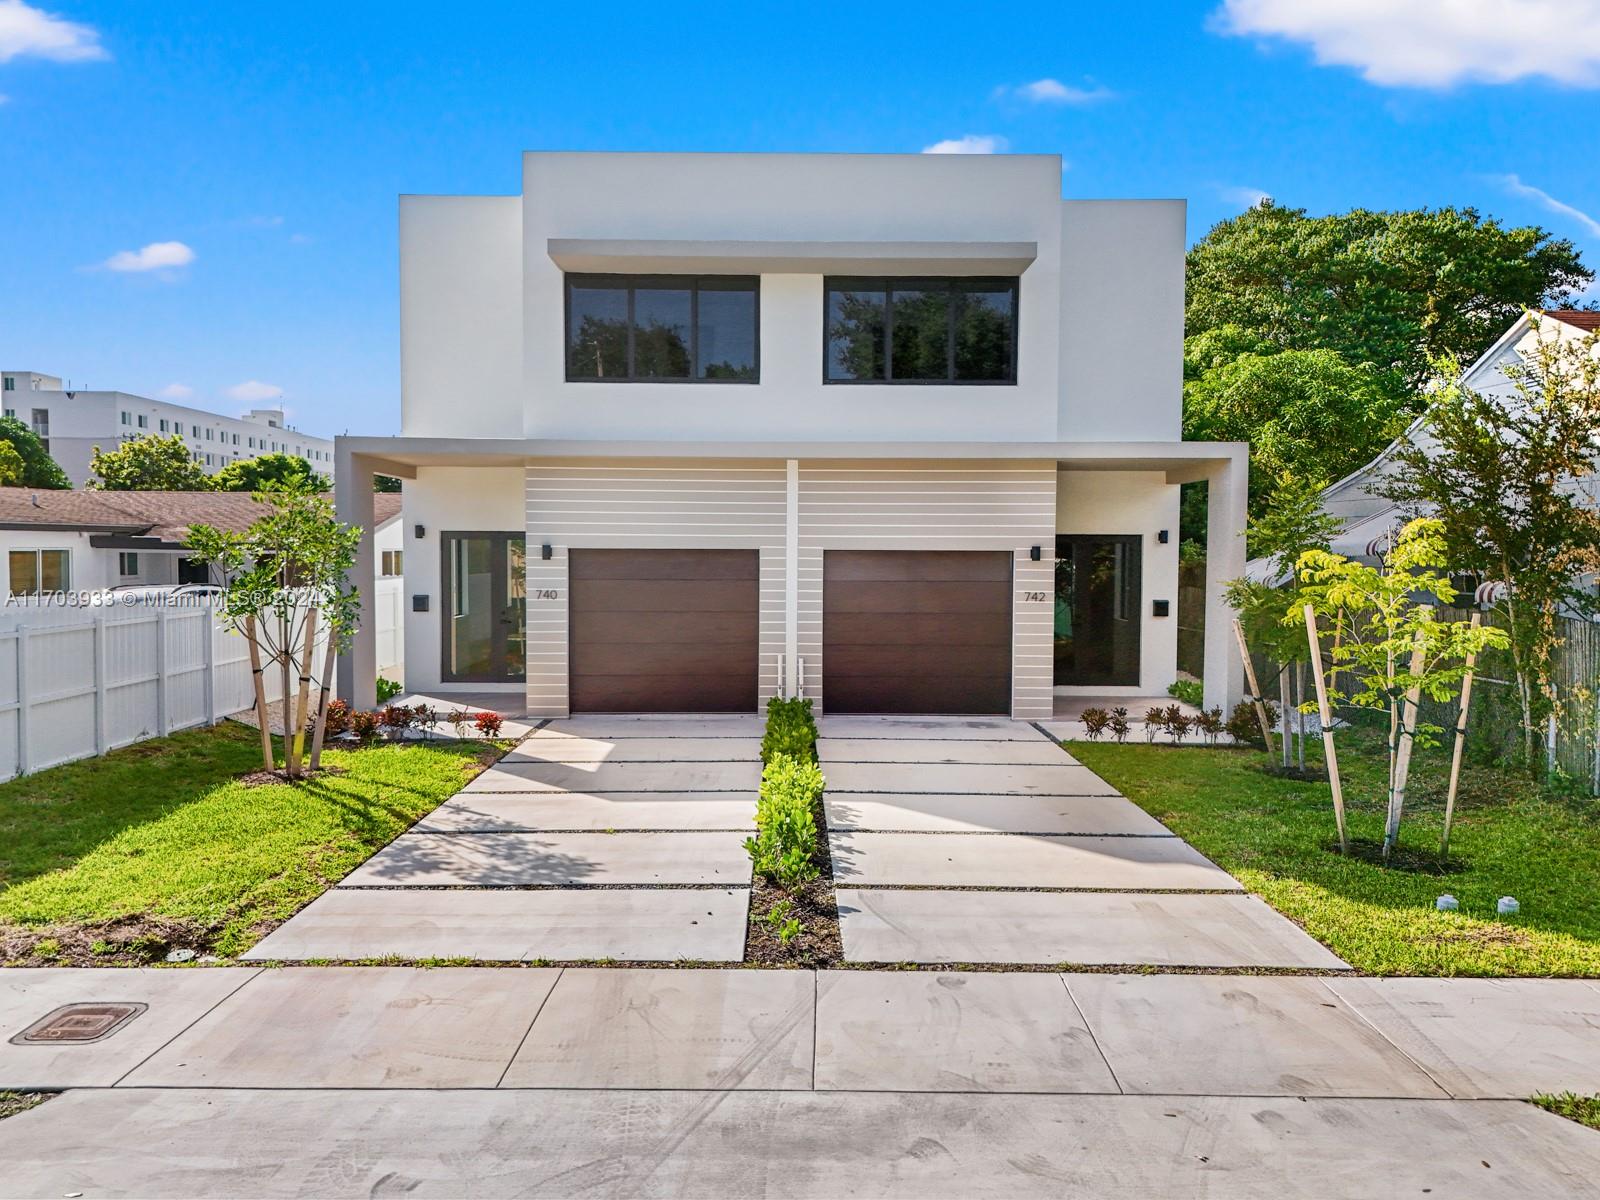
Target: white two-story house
[(900, 433)]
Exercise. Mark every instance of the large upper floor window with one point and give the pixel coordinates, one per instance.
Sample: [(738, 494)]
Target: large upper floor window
[(661, 328), (921, 331)]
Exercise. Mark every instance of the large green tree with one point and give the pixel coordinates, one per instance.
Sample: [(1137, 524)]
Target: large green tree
[(269, 472), (148, 464), (1396, 290), (38, 469)]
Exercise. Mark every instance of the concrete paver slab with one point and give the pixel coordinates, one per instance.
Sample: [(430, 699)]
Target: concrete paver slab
[(973, 779), (984, 729), (671, 1029), (554, 860), (357, 1027), (1018, 860), (1092, 928), (615, 727), (992, 814), (920, 1031), (1036, 752), (505, 812), (619, 777), (1220, 1035), (1489, 1037), (615, 750), (631, 925), (176, 1000), (199, 1143)]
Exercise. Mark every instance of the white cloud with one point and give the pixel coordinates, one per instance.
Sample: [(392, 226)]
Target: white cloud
[(970, 143), (1545, 200), (176, 391), (1053, 91), (1433, 43), (1244, 197), (26, 31), (300, 239), (157, 256), (253, 391)]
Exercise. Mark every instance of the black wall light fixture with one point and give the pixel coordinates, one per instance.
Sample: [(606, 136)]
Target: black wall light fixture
[(1162, 537), (422, 531), (1033, 553), (545, 551)]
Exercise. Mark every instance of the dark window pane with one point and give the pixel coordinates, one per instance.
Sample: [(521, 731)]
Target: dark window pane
[(985, 329), (855, 334), (661, 333), (727, 331), (597, 333), (921, 333)]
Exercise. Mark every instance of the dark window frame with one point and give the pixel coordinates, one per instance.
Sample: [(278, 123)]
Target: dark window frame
[(632, 283), (888, 284)]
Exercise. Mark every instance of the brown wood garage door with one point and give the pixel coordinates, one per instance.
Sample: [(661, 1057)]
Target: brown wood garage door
[(916, 631), (663, 630)]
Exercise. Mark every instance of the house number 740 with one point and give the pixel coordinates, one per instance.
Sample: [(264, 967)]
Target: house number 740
[(1036, 595), (544, 594)]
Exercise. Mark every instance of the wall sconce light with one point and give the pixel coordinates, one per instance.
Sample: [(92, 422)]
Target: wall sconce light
[(421, 531), (545, 551), (1034, 553), (1160, 608), (1162, 537)]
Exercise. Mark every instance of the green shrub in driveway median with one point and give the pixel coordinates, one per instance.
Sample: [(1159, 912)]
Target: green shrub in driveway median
[(786, 841), (791, 730)]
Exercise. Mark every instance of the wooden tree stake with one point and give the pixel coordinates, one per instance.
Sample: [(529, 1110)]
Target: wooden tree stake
[(262, 717), (1408, 729), (1255, 688), (1325, 716), (1460, 742), (302, 698), (322, 702)]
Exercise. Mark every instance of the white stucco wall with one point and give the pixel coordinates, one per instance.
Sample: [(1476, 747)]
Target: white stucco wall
[(1142, 503), (487, 499), (460, 316)]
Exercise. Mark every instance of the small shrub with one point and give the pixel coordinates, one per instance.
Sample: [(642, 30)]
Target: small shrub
[(1243, 727), (388, 689), (1120, 725), (396, 717), (1095, 721), (338, 717), (785, 845), (1155, 720), (459, 719), (364, 725), (487, 723), (791, 729), (1178, 724), (1210, 724), (781, 920), (426, 717), (1190, 691)]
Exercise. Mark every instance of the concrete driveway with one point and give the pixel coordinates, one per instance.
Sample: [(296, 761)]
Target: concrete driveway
[(980, 840), (595, 838)]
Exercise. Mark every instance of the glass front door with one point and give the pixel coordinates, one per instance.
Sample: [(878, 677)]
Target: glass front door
[(1097, 611), (485, 607)]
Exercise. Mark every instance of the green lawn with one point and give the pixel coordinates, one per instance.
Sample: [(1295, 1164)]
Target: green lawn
[(1278, 838), (160, 845)]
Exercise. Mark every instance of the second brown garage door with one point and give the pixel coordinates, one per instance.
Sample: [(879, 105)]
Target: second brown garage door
[(664, 630), (916, 631)]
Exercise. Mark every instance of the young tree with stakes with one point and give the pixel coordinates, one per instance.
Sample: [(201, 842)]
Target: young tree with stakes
[(283, 575)]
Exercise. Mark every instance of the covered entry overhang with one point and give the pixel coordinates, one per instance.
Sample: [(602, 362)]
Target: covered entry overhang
[(1222, 465)]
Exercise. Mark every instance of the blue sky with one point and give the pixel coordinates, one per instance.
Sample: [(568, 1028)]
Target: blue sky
[(200, 200)]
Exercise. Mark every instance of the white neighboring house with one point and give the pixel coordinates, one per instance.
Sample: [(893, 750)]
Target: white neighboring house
[(1370, 520), (90, 541), (72, 423), (900, 433)]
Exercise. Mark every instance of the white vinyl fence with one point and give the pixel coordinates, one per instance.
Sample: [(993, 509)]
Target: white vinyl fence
[(76, 682)]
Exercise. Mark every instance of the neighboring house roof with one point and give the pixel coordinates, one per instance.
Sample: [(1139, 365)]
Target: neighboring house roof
[(1578, 318), (160, 520)]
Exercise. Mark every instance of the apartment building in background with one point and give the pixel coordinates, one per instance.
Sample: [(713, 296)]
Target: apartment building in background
[(73, 422)]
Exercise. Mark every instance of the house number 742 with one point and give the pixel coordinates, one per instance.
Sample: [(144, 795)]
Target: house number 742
[(1036, 595)]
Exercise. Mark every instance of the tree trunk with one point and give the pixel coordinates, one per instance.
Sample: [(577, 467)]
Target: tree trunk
[(1300, 717), (285, 655), (1283, 712), (263, 717), (322, 703), (302, 699), (1402, 771), (1255, 687)]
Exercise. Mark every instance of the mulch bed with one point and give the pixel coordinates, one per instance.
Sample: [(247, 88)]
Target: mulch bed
[(279, 775), (124, 942), (12, 1103), (817, 946)]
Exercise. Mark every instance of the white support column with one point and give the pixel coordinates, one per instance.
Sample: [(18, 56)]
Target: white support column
[(358, 666), (790, 685), (1226, 512)]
